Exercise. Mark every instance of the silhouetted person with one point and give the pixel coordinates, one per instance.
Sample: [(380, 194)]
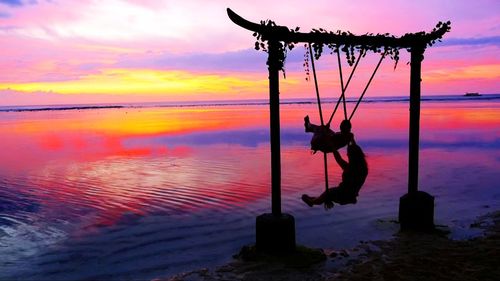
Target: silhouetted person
[(353, 177), (326, 140)]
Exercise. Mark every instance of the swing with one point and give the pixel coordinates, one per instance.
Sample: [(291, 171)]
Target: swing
[(324, 139)]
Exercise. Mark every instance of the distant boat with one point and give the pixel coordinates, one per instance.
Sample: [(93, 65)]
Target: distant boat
[(472, 94)]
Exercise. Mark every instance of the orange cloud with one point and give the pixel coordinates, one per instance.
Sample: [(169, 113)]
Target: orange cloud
[(484, 71)]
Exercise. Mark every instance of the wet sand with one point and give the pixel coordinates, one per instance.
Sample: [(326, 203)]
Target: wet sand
[(408, 256)]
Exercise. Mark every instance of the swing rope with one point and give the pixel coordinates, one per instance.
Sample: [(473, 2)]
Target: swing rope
[(342, 84), (342, 96), (345, 88), (316, 85), (367, 85), (325, 159)]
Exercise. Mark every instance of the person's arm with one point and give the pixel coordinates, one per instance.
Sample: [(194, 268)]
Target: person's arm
[(342, 163)]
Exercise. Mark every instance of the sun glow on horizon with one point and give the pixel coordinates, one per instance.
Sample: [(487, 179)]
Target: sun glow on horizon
[(147, 81)]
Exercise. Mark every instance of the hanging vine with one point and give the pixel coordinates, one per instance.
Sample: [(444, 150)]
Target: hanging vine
[(283, 47), (306, 62)]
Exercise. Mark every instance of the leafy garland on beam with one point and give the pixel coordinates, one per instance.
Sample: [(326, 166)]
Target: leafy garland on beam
[(283, 47), (349, 50)]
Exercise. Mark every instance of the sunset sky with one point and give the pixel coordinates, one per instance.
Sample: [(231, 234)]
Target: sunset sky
[(85, 51)]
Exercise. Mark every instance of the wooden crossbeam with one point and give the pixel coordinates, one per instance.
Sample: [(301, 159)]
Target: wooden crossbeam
[(283, 33)]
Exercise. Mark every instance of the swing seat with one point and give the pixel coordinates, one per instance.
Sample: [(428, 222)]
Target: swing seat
[(342, 196), (348, 201)]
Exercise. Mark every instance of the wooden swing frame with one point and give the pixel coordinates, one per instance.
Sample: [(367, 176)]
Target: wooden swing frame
[(415, 44)]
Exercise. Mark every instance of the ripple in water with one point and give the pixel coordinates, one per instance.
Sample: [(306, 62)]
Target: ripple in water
[(101, 207)]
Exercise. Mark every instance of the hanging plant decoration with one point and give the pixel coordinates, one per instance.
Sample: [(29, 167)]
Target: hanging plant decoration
[(351, 50)]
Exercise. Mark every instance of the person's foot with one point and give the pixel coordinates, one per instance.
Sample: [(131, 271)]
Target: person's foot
[(307, 200), (306, 123)]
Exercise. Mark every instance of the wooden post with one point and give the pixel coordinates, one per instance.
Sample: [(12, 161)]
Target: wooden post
[(274, 65), (416, 208), (275, 232), (417, 55)]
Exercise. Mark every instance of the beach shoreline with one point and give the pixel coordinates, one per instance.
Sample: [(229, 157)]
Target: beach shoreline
[(408, 256)]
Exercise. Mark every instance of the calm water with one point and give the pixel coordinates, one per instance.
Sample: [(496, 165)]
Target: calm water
[(138, 193)]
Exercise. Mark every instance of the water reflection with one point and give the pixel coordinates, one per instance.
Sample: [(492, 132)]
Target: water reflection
[(130, 159), (202, 174)]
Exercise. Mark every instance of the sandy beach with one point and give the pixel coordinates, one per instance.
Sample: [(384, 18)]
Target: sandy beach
[(408, 256)]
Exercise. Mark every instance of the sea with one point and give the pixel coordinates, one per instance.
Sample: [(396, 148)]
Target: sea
[(141, 191)]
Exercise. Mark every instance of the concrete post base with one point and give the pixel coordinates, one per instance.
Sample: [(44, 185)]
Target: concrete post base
[(275, 233), (416, 211)]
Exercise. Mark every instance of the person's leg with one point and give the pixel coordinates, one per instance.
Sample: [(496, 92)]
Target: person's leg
[(307, 199), (310, 127), (311, 201)]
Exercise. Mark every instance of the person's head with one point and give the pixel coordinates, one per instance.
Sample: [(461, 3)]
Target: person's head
[(345, 126)]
